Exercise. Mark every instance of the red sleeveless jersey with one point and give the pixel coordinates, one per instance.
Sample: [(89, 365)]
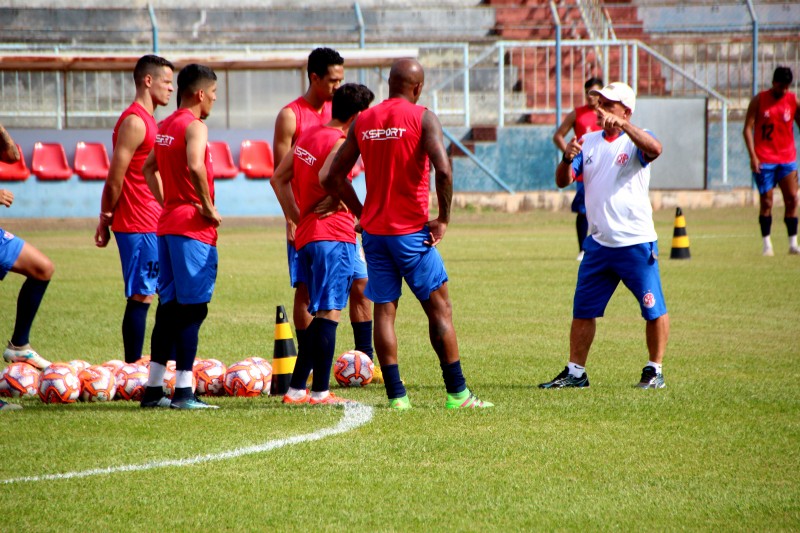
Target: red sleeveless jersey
[(306, 116), (774, 128), (585, 121), (310, 152), (137, 210), (180, 216), (397, 168)]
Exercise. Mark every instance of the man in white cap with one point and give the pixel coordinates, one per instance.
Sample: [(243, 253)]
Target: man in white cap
[(615, 165)]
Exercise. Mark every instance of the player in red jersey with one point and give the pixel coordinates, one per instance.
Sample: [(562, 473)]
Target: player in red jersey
[(582, 119), (769, 136), (325, 74), (179, 171), (128, 206), (326, 245), (398, 141)]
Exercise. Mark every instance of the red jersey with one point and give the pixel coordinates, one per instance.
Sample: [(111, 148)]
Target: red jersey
[(397, 168), (585, 121), (774, 128), (137, 210), (180, 216), (310, 152), (306, 116)]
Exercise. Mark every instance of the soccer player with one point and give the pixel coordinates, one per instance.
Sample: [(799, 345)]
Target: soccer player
[(179, 171), (769, 136), (326, 245), (127, 204), (398, 141), (23, 258), (623, 245), (325, 74), (582, 119)]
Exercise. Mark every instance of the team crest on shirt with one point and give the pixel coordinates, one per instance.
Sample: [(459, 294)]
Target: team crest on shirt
[(787, 116), (304, 156), (622, 159), (648, 300)]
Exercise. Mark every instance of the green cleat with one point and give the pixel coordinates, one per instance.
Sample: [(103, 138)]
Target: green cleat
[(5, 406), (192, 403), (465, 400), (400, 404)]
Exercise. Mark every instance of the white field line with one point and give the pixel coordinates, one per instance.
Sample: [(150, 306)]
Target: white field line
[(355, 416)]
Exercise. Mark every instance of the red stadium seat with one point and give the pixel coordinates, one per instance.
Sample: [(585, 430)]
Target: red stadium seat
[(222, 160), (255, 159), (91, 161), (15, 171), (50, 162)]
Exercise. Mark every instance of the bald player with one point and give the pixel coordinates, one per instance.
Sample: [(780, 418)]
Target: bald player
[(398, 140)]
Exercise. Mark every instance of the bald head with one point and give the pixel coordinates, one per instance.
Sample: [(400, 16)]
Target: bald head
[(406, 79)]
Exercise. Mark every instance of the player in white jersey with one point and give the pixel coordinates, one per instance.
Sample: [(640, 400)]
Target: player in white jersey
[(622, 243)]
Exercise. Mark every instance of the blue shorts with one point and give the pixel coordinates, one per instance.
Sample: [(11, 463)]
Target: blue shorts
[(187, 270), (602, 269), (393, 258), (579, 202), (328, 268), (10, 248), (138, 253), (295, 273), (359, 263), (771, 174)]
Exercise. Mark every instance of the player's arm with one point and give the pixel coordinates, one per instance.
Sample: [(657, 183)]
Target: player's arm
[(433, 144), (565, 175), (559, 137), (330, 205), (6, 197), (153, 178), (749, 134), (285, 126), (8, 148), (196, 146), (335, 181), (282, 185)]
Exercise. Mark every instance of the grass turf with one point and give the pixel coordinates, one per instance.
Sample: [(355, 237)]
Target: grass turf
[(717, 449)]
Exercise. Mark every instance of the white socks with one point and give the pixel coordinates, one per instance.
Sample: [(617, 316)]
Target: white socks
[(793, 241), (576, 370), (321, 395), (183, 379), (657, 366), (156, 376), (295, 394)]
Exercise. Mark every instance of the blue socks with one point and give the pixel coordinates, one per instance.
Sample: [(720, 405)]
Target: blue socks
[(304, 362), (321, 341), (766, 225), (133, 327), (391, 379), (454, 380), (30, 296), (791, 225), (582, 227), (362, 335), (162, 341), (189, 321)]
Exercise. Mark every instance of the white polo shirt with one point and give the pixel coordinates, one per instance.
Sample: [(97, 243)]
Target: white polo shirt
[(617, 181)]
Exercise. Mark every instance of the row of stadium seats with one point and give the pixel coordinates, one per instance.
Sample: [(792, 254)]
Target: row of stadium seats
[(91, 162)]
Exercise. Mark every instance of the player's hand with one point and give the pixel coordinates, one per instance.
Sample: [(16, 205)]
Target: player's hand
[(574, 147), (357, 228), (329, 206), (755, 165), (211, 213), (6, 197), (102, 235), (291, 227), (437, 230), (608, 120), (107, 218)]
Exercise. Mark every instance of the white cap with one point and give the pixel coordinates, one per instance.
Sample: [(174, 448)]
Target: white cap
[(618, 92)]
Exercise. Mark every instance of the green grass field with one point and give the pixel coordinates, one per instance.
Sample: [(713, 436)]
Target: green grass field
[(716, 450)]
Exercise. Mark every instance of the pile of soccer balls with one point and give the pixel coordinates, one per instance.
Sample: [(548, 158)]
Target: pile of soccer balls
[(78, 379)]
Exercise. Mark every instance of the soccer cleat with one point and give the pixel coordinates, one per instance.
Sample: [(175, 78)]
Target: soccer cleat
[(192, 403), (465, 400), (288, 400), (330, 399), (794, 250), (767, 251), (400, 404), (161, 402), (5, 406), (24, 354), (565, 379), (651, 379), (377, 375), (580, 256)]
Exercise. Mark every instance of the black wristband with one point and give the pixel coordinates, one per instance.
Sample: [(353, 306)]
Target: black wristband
[(565, 160)]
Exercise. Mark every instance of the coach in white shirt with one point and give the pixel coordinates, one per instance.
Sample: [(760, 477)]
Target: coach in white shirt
[(622, 242)]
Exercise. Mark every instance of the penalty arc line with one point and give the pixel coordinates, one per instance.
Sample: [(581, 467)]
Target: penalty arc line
[(355, 416)]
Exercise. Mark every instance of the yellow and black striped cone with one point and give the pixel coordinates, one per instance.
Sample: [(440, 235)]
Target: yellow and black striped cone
[(284, 354), (680, 240)]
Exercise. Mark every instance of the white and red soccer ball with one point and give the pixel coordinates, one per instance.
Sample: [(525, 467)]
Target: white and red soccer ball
[(244, 378), (266, 371), (131, 382), (59, 383), (353, 369), (19, 380), (210, 377), (98, 384)]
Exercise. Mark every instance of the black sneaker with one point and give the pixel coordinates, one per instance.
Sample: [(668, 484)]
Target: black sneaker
[(651, 379), (565, 379), (154, 397)]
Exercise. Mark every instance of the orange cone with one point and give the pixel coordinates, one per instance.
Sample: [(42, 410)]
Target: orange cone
[(680, 240), (284, 354)]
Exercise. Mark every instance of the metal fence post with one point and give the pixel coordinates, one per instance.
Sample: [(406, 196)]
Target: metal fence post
[(154, 25), (754, 18), (501, 108)]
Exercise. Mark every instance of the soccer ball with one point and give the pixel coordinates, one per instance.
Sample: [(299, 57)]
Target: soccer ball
[(131, 382), (144, 361), (79, 364), (210, 376), (114, 365), (19, 380), (266, 371), (59, 383), (353, 369), (244, 379), (98, 384)]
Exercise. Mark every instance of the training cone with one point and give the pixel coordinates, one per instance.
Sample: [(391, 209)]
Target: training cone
[(680, 240), (284, 354)]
